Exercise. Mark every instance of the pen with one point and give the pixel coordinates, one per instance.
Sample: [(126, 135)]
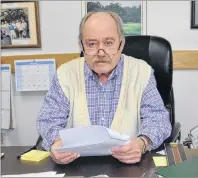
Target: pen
[(143, 174), (2, 155), (32, 148)]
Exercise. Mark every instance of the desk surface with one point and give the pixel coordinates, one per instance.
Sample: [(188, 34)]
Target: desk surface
[(87, 166)]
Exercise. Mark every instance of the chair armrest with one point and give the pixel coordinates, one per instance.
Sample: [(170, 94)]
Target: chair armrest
[(39, 143), (176, 133)]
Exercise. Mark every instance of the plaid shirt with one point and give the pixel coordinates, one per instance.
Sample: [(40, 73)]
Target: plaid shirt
[(102, 102)]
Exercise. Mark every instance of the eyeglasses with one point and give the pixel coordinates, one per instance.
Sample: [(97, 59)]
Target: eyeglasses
[(92, 48)]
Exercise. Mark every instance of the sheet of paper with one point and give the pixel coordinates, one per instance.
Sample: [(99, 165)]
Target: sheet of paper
[(13, 116), (5, 100), (40, 174), (117, 135), (96, 140), (102, 175), (150, 173), (34, 75), (160, 161), (162, 152), (5, 95), (5, 123), (101, 149), (6, 74)]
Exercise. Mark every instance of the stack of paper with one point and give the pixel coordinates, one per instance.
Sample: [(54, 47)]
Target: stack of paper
[(40, 174), (35, 155), (92, 140), (160, 161)]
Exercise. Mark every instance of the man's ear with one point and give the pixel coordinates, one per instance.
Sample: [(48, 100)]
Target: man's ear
[(81, 48), (122, 45), (80, 45)]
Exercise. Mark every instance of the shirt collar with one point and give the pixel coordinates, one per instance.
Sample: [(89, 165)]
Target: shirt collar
[(118, 69)]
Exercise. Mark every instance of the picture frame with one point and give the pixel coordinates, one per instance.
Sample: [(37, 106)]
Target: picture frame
[(194, 14), (20, 24), (139, 28)]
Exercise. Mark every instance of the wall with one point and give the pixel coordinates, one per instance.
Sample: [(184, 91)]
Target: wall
[(59, 35), (171, 19)]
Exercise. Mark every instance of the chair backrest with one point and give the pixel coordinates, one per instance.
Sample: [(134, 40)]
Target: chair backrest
[(157, 52)]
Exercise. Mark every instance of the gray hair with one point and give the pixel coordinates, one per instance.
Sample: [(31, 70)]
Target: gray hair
[(115, 16)]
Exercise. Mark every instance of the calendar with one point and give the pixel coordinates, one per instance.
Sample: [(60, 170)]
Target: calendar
[(34, 74)]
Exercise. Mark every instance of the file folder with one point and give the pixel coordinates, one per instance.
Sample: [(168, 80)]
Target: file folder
[(188, 168)]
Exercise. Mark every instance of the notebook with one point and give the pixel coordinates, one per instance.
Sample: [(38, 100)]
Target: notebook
[(188, 168)]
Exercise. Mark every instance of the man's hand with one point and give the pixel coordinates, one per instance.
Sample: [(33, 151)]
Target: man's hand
[(130, 153), (62, 158)]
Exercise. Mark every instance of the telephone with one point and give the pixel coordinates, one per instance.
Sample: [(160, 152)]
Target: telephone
[(192, 140)]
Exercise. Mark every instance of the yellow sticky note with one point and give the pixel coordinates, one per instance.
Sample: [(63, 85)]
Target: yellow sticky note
[(173, 144), (160, 161), (35, 155)]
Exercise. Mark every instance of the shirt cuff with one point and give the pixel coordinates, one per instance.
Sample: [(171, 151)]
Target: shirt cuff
[(154, 143), (48, 141)]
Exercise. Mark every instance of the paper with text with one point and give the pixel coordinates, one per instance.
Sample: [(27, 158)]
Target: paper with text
[(40, 174), (5, 95)]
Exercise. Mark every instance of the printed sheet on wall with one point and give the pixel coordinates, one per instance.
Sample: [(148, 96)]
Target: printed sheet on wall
[(34, 74), (5, 96)]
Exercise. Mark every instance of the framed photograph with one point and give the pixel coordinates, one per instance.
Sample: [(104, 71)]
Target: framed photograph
[(194, 14), (133, 13), (20, 26)]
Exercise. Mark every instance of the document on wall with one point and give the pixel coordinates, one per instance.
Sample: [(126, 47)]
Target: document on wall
[(5, 95), (34, 74), (92, 140)]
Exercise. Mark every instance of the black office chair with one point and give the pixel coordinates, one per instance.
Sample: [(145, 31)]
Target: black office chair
[(157, 52)]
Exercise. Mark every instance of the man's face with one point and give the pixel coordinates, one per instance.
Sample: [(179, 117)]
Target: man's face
[(101, 42)]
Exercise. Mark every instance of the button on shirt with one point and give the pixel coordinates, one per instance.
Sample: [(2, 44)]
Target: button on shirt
[(102, 102)]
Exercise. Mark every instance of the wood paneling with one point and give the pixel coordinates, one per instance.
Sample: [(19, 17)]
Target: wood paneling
[(60, 58), (181, 59), (185, 59)]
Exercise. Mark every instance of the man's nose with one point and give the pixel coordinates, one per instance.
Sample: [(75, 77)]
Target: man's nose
[(101, 52)]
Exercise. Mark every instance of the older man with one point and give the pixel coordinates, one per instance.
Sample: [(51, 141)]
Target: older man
[(105, 88)]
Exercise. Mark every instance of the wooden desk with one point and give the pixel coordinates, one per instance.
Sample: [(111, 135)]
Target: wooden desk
[(89, 166)]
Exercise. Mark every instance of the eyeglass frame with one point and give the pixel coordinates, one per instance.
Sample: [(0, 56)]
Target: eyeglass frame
[(83, 49)]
